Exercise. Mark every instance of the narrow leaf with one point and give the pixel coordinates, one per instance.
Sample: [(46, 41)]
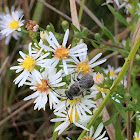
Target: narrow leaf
[(95, 45), (109, 35), (118, 15)]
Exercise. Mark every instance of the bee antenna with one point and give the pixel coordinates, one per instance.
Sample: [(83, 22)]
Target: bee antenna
[(55, 91)]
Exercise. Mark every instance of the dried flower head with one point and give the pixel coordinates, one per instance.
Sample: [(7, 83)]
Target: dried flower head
[(32, 26)]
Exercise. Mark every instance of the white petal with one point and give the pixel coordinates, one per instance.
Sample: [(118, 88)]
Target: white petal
[(79, 46), (100, 137), (65, 67), (98, 130), (79, 125), (54, 39), (22, 54), (61, 126), (34, 95), (50, 42), (97, 63), (57, 119), (16, 67), (65, 38), (95, 58)]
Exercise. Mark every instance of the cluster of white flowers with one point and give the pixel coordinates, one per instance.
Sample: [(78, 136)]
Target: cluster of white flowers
[(46, 68), (51, 69)]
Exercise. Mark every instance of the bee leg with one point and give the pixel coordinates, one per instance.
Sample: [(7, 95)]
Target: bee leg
[(78, 75), (73, 78), (78, 78), (82, 93)]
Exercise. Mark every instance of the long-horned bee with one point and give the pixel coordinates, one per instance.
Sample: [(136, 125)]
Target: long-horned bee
[(79, 86)]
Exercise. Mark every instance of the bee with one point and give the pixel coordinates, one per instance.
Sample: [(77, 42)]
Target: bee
[(79, 86)]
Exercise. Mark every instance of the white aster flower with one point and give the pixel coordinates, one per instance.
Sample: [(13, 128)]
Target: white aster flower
[(98, 89), (50, 80), (91, 135), (11, 22), (83, 65), (69, 119), (62, 52), (136, 136), (98, 78), (28, 64), (80, 104), (112, 71)]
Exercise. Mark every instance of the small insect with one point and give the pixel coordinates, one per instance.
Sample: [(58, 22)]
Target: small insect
[(79, 86)]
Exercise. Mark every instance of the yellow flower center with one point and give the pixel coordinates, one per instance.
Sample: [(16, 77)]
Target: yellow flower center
[(102, 89), (14, 24), (136, 138), (29, 63), (112, 72), (98, 77), (75, 100), (87, 138), (84, 67), (61, 52), (43, 87), (71, 116)]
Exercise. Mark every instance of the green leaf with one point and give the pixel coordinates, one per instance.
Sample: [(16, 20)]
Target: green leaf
[(109, 35), (38, 12), (118, 133), (127, 47), (118, 15), (74, 28), (111, 119), (121, 109), (95, 45), (124, 52)]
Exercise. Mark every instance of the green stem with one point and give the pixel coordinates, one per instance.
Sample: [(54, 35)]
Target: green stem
[(81, 11), (23, 30), (55, 133), (41, 29), (113, 87)]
